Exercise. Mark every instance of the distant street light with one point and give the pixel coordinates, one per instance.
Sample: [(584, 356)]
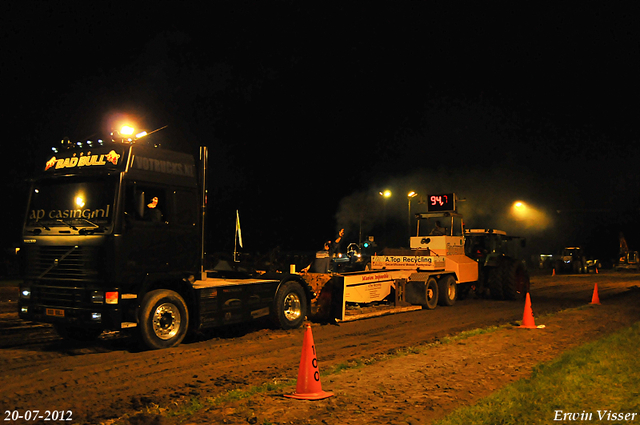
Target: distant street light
[(529, 216), (386, 193), (520, 209)]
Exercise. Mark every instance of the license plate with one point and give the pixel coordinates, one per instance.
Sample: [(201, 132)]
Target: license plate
[(57, 312)]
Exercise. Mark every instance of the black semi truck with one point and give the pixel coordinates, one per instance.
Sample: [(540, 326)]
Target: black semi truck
[(113, 239)]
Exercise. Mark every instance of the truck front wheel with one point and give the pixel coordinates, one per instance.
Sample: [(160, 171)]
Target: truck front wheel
[(163, 319), (290, 306)]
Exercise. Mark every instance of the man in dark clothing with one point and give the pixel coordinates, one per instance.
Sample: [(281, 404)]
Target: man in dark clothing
[(322, 262)]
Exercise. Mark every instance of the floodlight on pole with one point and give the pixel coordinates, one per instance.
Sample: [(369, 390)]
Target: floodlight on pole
[(410, 195)]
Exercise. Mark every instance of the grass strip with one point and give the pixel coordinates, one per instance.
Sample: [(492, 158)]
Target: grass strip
[(596, 382)]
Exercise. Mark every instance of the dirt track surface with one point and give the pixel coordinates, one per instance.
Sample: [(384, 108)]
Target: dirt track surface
[(111, 381)]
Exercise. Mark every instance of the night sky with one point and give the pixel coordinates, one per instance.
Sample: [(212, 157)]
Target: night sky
[(309, 110)]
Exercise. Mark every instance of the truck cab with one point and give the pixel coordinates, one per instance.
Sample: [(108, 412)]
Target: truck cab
[(105, 222), (113, 239)]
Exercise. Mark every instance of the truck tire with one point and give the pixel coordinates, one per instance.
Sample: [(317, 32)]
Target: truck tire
[(74, 333), (515, 280), (163, 319), (290, 305), (447, 290)]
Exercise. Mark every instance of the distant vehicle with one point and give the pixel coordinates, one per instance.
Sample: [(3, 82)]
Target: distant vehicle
[(500, 273), (629, 261), (574, 260), (545, 261)]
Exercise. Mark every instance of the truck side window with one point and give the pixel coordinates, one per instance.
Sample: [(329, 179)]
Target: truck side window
[(147, 203)]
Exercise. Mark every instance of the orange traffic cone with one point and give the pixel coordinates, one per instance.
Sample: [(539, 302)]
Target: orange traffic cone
[(554, 272), (308, 386), (527, 318), (595, 299)]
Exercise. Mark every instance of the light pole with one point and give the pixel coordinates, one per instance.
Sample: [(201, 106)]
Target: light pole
[(386, 194), (410, 195)]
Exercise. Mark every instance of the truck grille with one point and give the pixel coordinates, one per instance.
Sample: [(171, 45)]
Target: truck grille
[(57, 297), (62, 264)]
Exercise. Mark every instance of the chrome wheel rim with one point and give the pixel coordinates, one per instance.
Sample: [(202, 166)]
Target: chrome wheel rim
[(292, 307), (166, 321)]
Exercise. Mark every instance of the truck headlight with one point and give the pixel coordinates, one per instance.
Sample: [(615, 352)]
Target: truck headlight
[(25, 292)]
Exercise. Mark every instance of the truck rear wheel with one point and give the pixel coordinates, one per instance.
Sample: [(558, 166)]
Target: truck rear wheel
[(447, 290), (163, 319), (290, 306)]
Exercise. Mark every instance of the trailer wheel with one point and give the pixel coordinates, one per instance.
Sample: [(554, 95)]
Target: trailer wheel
[(447, 290), (163, 319), (76, 334), (290, 306), (432, 291)]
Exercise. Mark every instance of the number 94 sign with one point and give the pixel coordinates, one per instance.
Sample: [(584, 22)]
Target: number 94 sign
[(442, 202)]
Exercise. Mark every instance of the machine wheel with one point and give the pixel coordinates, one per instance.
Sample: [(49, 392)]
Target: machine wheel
[(431, 296), (447, 290), (516, 280), (494, 281), (290, 306), (163, 319), (76, 334)]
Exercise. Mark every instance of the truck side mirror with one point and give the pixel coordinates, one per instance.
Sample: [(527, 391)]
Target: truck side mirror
[(139, 205)]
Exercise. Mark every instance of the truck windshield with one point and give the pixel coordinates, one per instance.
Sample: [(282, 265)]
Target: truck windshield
[(71, 205)]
